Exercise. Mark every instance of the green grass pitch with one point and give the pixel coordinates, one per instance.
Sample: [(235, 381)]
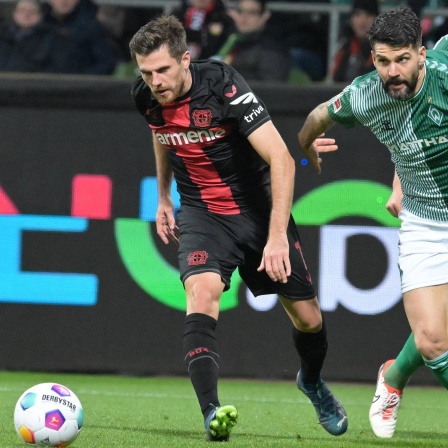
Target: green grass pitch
[(163, 413)]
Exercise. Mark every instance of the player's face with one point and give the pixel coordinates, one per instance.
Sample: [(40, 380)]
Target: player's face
[(401, 69), (167, 78)]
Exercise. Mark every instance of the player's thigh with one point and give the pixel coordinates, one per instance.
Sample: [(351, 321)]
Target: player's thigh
[(203, 293), (299, 285), (423, 256), (427, 312), (206, 245)]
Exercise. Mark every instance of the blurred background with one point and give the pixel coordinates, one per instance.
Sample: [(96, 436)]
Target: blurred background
[(85, 284)]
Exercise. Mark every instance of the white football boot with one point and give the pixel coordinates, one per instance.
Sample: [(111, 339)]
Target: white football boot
[(385, 405)]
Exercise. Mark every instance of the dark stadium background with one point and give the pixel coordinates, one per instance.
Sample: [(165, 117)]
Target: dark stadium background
[(54, 129)]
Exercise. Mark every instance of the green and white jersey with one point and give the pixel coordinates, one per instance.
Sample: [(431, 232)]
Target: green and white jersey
[(415, 131)]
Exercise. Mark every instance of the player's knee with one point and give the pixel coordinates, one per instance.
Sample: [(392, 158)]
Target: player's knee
[(202, 303), (430, 343), (203, 298), (310, 325)]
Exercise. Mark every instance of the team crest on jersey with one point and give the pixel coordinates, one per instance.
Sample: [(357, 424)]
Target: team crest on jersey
[(435, 115), (196, 258), (202, 118)]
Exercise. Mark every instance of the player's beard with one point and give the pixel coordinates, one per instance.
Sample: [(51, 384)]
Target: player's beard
[(404, 93), (174, 94)]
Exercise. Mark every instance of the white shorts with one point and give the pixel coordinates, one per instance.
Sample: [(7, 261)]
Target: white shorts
[(423, 252)]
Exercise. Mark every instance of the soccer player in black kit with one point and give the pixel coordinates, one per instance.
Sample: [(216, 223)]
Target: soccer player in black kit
[(235, 177)]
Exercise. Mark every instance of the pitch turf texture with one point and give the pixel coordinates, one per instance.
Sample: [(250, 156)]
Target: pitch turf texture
[(163, 413)]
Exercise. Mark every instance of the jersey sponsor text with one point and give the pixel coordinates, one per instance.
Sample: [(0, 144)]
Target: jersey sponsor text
[(193, 136), (419, 144), (254, 114)]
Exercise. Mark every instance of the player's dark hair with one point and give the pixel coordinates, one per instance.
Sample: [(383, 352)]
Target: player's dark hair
[(165, 30), (397, 28)]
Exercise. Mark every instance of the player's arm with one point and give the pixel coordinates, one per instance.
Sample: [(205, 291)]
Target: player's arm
[(316, 124), (267, 141), (393, 205), (165, 221)]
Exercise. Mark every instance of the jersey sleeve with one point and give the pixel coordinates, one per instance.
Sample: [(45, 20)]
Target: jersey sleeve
[(240, 103), (340, 109)]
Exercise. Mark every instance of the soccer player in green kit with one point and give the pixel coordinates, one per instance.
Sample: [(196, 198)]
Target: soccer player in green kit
[(404, 102)]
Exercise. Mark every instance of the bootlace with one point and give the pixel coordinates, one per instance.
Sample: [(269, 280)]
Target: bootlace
[(389, 408), (326, 401)]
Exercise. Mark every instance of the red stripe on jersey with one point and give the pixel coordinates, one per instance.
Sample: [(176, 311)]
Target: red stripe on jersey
[(214, 191), (190, 143), (177, 114)]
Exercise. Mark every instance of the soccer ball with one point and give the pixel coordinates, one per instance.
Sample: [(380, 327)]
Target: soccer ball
[(48, 414)]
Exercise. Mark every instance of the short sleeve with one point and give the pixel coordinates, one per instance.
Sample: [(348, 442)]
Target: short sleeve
[(340, 109), (240, 103)]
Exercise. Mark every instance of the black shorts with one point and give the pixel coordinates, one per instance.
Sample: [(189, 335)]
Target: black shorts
[(220, 243)]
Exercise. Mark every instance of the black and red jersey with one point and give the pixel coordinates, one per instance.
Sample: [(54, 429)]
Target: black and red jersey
[(205, 133)]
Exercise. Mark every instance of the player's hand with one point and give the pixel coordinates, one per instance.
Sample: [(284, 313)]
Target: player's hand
[(323, 144), (166, 224), (393, 205), (275, 260), (319, 145)]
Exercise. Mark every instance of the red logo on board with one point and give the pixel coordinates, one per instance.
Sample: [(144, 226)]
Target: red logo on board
[(202, 118), (196, 258)]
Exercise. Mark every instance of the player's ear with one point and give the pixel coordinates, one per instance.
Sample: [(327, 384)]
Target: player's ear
[(185, 61), (421, 56)]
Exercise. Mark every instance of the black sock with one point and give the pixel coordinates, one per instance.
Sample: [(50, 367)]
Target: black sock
[(312, 349), (201, 358)]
